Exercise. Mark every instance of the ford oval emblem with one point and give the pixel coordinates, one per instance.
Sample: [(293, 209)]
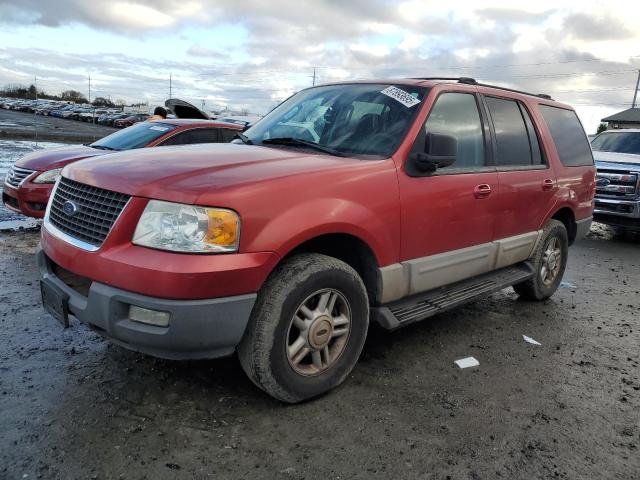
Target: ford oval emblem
[(69, 208), (603, 182)]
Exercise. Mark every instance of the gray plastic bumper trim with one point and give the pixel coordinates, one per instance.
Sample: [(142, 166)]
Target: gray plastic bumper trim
[(197, 329)]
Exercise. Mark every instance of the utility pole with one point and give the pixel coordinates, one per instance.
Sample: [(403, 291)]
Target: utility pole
[(635, 91), (35, 121), (314, 77), (170, 85)]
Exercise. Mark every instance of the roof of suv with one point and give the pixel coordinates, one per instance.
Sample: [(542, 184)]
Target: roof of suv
[(433, 81)]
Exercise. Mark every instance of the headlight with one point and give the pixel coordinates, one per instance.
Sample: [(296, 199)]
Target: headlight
[(187, 228), (50, 176)]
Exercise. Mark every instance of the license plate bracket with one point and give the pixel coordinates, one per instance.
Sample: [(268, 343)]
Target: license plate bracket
[(55, 301)]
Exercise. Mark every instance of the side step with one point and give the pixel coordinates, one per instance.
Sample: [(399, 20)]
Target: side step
[(418, 307)]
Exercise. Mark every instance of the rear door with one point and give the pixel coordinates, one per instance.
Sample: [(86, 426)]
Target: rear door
[(448, 216), (527, 185)]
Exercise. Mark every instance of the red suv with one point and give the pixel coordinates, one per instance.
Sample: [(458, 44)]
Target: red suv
[(382, 200), (29, 182)]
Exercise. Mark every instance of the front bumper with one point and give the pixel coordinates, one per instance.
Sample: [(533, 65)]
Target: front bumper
[(208, 328), (612, 211), (30, 199)]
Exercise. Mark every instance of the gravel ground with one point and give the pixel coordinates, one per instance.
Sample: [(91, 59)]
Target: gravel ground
[(27, 126), (74, 406)]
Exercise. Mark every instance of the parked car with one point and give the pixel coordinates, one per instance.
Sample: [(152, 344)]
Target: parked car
[(61, 111), (130, 120), (397, 199), (29, 182), (90, 115), (617, 155)]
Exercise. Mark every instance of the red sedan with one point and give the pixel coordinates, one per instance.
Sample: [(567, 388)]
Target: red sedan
[(29, 182), (132, 120)]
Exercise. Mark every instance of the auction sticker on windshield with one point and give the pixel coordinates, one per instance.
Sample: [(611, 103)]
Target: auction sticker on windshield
[(400, 95)]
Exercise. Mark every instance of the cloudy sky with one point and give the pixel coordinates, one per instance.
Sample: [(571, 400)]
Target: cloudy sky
[(254, 53)]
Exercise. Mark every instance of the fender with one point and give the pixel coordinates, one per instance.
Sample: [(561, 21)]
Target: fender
[(323, 216)]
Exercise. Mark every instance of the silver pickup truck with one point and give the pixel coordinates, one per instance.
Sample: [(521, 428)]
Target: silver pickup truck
[(617, 157)]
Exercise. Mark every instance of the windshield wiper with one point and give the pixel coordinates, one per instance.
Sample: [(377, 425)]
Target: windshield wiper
[(246, 140), (302, 143)]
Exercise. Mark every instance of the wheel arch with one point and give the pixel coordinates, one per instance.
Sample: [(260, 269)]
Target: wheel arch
[(348, 248), (568, 218)]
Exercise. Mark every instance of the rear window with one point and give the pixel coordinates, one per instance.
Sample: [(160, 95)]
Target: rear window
[(568, 135)]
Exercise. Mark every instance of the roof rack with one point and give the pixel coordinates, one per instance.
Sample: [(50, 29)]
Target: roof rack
[(473, 81)]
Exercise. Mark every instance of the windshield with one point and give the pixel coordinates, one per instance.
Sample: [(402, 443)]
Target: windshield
[(619, 142), (354, 119), (136, 136)]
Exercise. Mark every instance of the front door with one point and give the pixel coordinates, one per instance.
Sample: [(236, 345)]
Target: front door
[(448, 217)]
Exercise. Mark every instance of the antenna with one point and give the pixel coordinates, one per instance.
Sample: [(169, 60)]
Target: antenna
[(170, 85)]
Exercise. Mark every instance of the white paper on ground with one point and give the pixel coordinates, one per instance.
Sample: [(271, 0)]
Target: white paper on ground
[(467, 362), (530, 340)]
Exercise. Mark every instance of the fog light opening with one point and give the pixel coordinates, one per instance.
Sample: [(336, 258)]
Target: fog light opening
[(149, 317)]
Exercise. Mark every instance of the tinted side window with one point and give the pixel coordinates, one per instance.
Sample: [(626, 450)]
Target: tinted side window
[(536, 153), (457, 115), (201, 135), (512, 137), (227, 134), (568, 135)]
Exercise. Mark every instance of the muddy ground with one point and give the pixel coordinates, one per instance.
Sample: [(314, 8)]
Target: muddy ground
[(74, 406)]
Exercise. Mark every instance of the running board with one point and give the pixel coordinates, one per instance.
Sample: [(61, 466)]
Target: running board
[(418, 307)]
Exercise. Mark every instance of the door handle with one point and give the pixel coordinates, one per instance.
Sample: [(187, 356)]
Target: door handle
[(548, 184), (482, 191)]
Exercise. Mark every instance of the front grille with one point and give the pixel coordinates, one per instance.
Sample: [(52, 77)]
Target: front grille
[(617, 184), (96, 210), (16, 175)]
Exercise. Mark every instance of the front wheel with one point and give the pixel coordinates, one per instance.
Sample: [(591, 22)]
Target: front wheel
[(307, 328), (549, 262)]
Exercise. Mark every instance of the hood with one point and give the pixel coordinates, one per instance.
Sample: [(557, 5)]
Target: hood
[(182, 109), (57, 157), (616, 158), (186, 173)]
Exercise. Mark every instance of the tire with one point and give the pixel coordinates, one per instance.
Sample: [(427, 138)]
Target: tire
[(554, 239), (266, 350)]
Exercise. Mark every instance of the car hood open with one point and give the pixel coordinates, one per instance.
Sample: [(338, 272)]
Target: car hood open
[(57, 157), (182, 109)]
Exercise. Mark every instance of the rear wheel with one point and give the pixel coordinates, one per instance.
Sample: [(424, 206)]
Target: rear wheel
[(549, 262), (307, 328)]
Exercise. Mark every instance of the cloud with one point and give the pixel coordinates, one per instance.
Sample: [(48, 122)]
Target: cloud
[(554, 46), (203, 52), (513, 15), (587, 27)]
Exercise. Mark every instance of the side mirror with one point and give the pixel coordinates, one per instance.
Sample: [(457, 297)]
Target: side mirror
[(439, 151)]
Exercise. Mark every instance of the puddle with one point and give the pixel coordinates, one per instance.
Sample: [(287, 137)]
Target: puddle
[(10, 151)]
